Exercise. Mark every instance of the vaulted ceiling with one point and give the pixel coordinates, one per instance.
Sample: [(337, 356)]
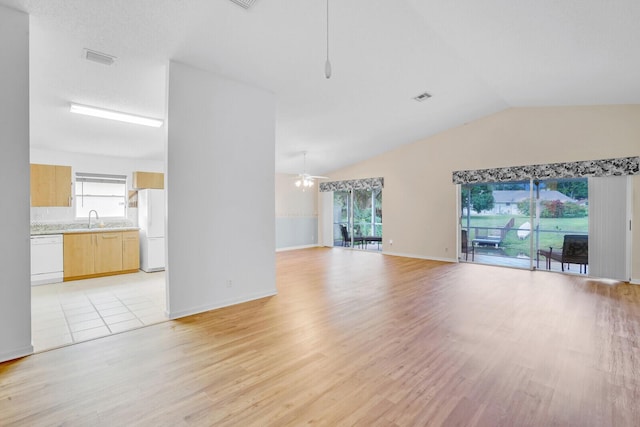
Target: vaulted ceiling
[(474, 57)]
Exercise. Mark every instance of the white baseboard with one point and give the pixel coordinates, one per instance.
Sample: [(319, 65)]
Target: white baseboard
[(420, 257), (15, 354), (46, 278), (293, 248), (216, 305), (634, 281)]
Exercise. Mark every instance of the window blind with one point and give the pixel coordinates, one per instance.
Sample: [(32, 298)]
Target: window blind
[(101, 178)]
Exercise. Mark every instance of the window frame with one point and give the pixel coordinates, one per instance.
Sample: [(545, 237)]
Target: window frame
[(81, 177)]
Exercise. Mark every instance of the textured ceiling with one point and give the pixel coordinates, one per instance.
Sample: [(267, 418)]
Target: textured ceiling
[(475, 58)]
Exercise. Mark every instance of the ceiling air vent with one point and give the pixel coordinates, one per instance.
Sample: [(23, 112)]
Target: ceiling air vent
[(244, 3), (100, 58), (422, 97)]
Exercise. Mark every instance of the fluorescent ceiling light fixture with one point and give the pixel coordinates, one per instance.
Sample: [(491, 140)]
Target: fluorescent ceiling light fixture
[(115, 115)]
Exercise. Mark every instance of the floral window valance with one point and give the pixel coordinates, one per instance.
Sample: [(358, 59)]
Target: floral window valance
[(353, 184), (606, 167)]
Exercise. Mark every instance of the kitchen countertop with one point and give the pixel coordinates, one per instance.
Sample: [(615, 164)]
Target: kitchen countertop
[(39, 229), (82, 230)]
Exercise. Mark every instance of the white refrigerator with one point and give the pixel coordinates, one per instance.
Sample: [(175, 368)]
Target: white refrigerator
[(151, 212)]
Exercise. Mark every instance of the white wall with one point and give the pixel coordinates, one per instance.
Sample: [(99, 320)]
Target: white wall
[(81, 162), (15, 285), (220, 192), (296, 214)]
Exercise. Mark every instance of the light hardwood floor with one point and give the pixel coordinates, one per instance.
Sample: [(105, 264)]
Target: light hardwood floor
[(357, 338)]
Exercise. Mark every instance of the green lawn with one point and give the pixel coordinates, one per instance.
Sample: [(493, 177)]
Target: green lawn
[(551, 233)]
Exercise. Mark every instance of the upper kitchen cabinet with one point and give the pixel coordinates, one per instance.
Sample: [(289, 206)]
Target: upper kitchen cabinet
[(50, 185), (143, 180)]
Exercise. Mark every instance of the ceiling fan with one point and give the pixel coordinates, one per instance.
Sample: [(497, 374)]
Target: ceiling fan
[(305, 180)]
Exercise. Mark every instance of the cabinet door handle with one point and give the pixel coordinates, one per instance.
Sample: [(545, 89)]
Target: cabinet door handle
[(109, 237)]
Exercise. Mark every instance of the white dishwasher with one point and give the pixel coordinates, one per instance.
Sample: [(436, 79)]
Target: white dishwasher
[(46, 259)]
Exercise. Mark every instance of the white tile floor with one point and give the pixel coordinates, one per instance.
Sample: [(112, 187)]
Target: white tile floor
[(70, 312)]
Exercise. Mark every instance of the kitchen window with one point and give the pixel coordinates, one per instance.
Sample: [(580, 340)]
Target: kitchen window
[(106, 194)]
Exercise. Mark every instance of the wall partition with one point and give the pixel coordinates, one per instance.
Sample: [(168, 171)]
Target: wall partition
[(571, 217), (15, 299)]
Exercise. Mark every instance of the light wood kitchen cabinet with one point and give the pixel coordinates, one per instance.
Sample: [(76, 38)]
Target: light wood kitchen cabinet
[(108, 252), (142, 180), (100, 254), (50, 185), (79, 254), (130, 250)]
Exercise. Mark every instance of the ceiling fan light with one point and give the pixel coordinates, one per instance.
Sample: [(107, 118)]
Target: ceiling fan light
[(305, 180)]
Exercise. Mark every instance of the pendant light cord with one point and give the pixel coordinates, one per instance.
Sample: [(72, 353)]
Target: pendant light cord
[(327, 64), (327, 30)]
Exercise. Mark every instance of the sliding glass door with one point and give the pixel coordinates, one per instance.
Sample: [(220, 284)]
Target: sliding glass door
[(497, 225), (367, 218), (561, 208), (358, 219), (577, 217), (512, 223), (342, 215)]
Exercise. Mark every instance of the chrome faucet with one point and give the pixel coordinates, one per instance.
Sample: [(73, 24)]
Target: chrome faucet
[(97, 217)]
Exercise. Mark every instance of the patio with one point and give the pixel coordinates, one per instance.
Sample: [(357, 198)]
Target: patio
[(495, 256), (362, 244), (512, 247)]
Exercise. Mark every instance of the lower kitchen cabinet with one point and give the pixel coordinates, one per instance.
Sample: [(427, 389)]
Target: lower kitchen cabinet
[(130, 250), (108, 252), (78, 250), (100, 254)]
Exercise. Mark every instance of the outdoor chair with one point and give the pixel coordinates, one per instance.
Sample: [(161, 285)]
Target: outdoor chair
[(464, 240), (346, 240), (345, 235), (575, 250)]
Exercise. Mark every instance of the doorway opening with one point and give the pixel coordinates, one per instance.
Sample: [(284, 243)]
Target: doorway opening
[(95, 269)]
